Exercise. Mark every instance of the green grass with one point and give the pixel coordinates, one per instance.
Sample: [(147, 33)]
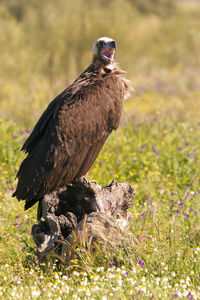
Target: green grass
[(156, 149), (159, 157)]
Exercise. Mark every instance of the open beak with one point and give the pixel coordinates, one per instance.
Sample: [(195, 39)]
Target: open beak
[(109, 51)]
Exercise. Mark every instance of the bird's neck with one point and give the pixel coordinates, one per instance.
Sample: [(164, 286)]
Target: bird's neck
[(100, 65)]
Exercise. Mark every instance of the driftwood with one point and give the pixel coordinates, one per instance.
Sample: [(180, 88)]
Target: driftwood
[(84, 206)]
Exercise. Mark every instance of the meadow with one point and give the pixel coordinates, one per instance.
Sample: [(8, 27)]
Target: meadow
[(156, 149)]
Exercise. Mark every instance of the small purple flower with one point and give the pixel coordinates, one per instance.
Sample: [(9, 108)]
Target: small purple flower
[(134, 159), (126, 273), (152, 296), (28, 131), (158, 153), (147, 196), (141, 263), (186, 196), (14, 137), (187, 216), (21, 132), (139, 292), (190, 295), (28, 220), (17, 217), (143, 215), (153, 149), (172, 205), (179, 148), (129, 218), (138, 149), (190, 210), (192, 183), (27, 229), (186, 144), (144, 146), (180, 204), (175, 295), (17, 224), (116, 151), (177, 211), (112, 264), (100, 163)]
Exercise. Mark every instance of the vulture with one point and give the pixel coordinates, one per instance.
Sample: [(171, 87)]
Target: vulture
[(69, 135)]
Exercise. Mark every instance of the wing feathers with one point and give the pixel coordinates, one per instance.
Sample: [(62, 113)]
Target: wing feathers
[(90, 157), (69, 135)]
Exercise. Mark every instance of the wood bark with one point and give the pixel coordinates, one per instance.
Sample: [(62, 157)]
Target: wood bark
[(84, 205)]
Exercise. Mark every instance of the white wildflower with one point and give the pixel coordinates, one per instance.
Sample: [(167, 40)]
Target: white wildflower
[(35, 293)]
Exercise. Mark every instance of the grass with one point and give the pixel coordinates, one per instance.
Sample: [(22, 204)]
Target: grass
[(156, 150)]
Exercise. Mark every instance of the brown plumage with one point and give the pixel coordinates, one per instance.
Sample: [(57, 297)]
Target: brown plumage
[(72, 130)]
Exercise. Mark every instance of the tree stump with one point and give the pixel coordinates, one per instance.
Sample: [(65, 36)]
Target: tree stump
[(84, 206)]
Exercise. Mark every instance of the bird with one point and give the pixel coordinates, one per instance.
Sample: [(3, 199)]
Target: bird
[(70, 133)]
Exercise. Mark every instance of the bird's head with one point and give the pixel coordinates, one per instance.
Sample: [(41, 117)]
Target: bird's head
[(104, 49)]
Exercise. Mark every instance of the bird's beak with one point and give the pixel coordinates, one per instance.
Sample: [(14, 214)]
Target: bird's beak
[(111, 45), (109, 50)]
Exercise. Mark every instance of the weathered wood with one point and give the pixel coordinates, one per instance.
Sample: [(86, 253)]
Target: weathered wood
[(105, 209)]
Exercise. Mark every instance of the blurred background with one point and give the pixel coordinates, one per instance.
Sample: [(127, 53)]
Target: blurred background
[(46, 44)]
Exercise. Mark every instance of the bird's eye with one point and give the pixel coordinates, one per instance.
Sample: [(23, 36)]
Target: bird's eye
[(101, 43)]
